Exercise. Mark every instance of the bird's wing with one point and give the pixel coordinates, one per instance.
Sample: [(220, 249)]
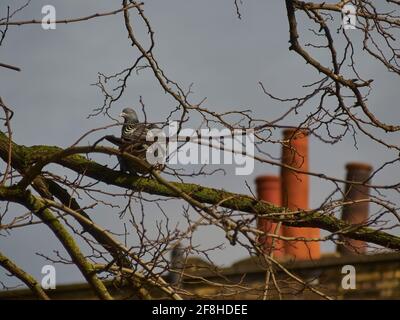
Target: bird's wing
[(137, 132), (135, 143)]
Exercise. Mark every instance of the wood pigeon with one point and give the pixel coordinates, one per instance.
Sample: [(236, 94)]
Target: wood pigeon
[(133, 140)]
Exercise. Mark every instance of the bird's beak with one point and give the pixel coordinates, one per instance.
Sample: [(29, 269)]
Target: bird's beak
[(122, 114)]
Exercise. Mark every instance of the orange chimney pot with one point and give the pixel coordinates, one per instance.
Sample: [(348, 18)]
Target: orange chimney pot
[(269, 190), (295, 194), (356, 213)]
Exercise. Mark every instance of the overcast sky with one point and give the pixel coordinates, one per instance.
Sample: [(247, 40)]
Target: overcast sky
[(199, 42)]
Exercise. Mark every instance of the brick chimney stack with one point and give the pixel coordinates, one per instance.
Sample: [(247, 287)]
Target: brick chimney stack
[(356, 213), (269, 189), (295, 194)]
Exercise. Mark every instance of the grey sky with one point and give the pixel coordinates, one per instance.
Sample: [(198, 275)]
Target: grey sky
[(200, 42)]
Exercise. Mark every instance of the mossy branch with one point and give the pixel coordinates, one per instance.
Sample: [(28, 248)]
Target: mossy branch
[(25, 277), (31, 155), (40, 209)]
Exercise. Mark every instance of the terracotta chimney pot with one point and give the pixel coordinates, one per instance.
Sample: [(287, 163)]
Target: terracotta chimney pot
[(356, 213), (269, 190), (295, 193)]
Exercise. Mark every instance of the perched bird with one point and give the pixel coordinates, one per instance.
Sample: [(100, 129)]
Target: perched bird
[(133, 138)]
